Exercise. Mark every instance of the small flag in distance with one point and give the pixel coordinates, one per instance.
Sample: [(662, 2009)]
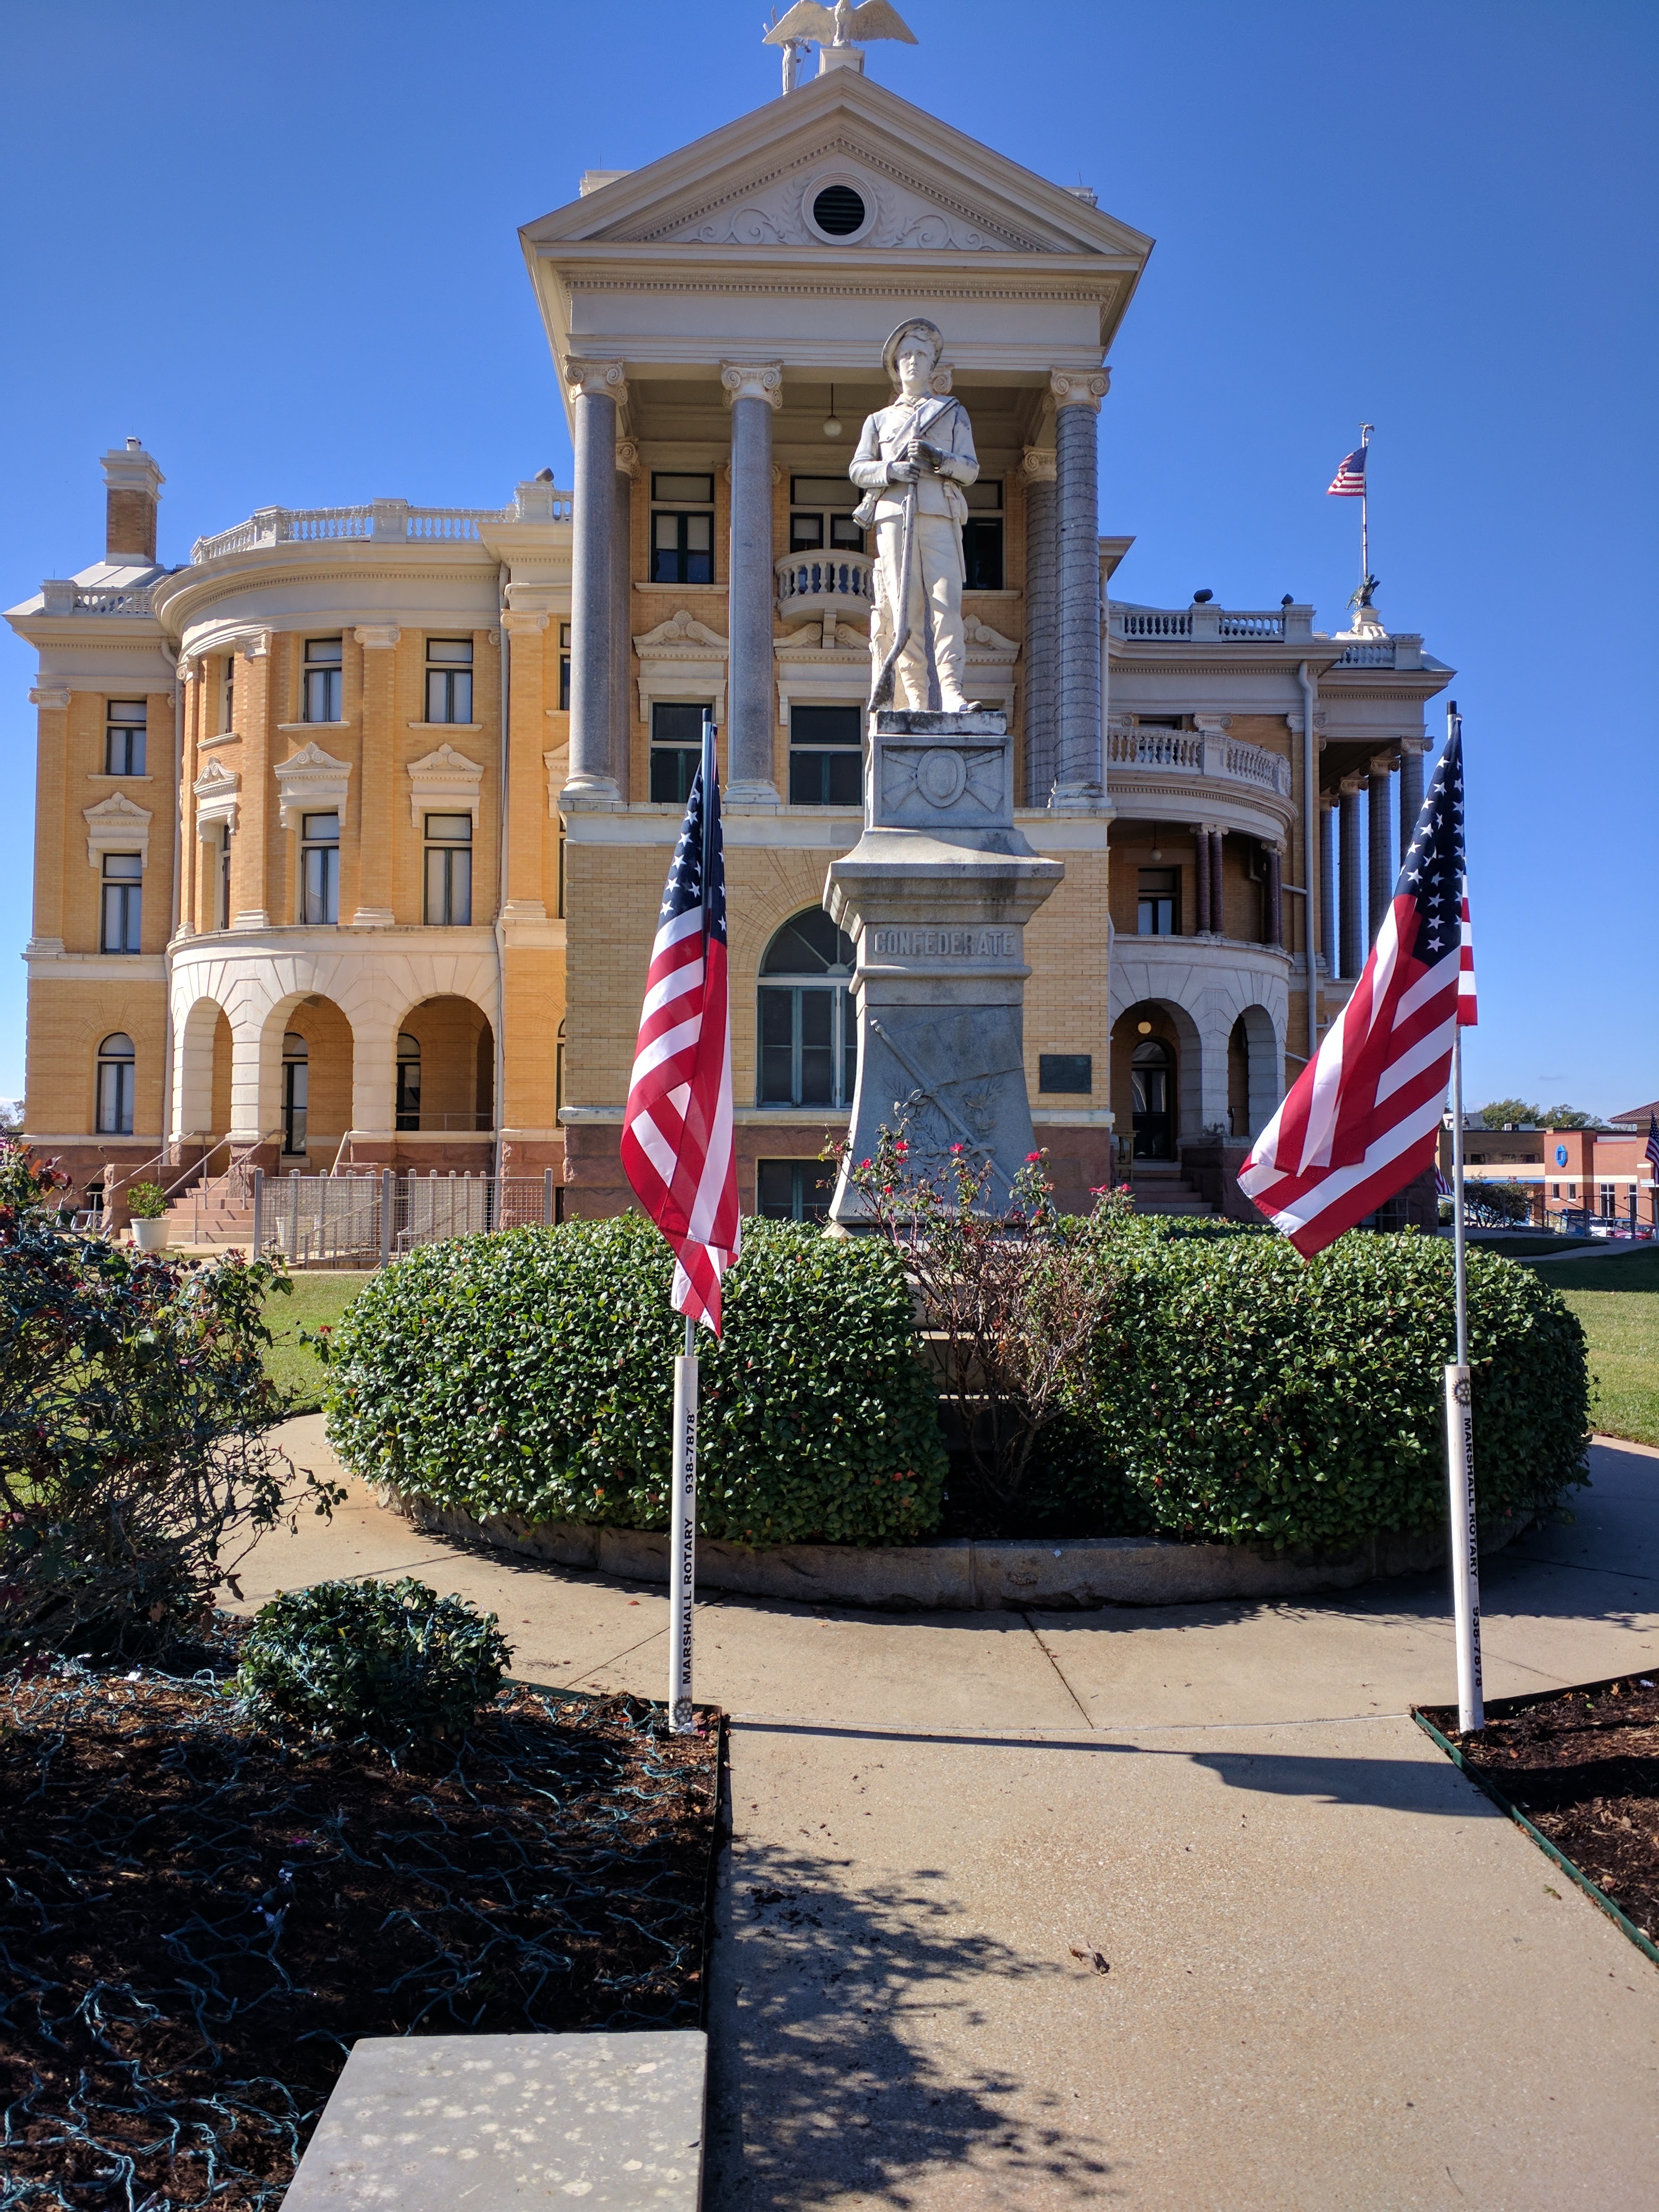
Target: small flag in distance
[(1349, 482)]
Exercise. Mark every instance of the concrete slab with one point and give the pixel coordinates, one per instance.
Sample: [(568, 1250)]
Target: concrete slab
[(431, 2122)]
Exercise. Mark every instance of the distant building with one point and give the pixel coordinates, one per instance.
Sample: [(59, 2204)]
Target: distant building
[(351, 829), (1600, 1173)]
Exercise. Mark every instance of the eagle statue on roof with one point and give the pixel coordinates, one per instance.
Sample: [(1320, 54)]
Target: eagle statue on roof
[(843, 25)]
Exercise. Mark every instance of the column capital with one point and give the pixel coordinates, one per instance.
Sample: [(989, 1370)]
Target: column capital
[(187, 667), (377, 637), (53, 697), (1073, 387), (1037, 464), (1415, 744), (1384, 764), (627, 457), (523, 621), (595, 379), (753, 379), (1351, 785)]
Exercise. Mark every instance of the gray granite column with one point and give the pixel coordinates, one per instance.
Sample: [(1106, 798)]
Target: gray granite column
[(622, 608), (1380, 871), (1217, 884), (1080, 781), (1328, 885), (1410, 789), (1202, 880), (1353, 908), (595, 387), (1274, 931), (1042, 625), (754, 389)]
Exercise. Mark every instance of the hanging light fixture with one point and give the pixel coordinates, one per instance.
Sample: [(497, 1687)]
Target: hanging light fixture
[(832, 424), (1156, 856)]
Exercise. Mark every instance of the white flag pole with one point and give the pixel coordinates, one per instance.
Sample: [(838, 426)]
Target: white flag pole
[(1459, 1423), (683, 1564)]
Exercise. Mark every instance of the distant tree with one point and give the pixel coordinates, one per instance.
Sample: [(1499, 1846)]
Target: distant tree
[(1505, 1110), (1568, 1117), (11, 1116)]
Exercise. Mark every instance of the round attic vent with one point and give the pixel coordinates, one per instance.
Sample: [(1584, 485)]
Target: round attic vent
[(838, 211)]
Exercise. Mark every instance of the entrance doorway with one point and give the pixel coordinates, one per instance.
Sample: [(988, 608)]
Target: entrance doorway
[(296, 1072), (1152, 1076)]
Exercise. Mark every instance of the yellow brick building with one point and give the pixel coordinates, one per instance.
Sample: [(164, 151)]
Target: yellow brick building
[(351, 828)]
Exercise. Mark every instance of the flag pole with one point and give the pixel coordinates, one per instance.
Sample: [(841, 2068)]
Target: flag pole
[(1460, 1426), (683, 1524), (1365, 429)]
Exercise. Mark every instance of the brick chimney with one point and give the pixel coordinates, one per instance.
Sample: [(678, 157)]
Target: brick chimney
[(133, 484)]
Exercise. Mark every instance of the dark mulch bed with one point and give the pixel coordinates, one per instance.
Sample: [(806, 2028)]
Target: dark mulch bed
[(199, 1918), (1584, 1766)]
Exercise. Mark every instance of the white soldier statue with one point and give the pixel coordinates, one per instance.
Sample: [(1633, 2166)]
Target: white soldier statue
[(914, 462)]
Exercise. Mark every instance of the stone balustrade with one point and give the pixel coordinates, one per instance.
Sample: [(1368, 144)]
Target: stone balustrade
[(819, 583), (1404, 650), (62, 595), (1212, 624), (380, 519), (1197, 753)]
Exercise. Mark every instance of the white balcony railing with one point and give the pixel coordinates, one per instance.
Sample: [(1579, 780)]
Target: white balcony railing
[(382, 520), (811, 583), (1209, 624), (1204, 754)]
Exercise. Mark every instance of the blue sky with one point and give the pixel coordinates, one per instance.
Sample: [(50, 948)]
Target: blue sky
[(279, 244)]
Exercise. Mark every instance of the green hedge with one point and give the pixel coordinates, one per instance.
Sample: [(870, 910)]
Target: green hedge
[(1245, 1394), (532, 1373)]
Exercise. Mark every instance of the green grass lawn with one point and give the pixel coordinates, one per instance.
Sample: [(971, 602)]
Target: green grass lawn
[(323, 1297), (1617, 1300)]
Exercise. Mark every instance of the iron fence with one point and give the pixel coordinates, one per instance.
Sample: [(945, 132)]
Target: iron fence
[(363, 1220)]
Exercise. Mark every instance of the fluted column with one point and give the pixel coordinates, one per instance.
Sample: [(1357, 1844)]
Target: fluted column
[(596, 387), (1081, 780), (1380, 869), (1353, 910), (1042, 624), (1274, 932), (622, 608), (1328, 885), (379, 641), (1412, 751), (753, 390)]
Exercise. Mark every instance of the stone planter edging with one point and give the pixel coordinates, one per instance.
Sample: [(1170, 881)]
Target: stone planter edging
[(958, 1575)]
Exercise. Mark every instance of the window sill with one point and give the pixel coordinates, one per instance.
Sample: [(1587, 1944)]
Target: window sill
[(680, 587), (309, 729), (473, 728), (224, 738), (114, 776)]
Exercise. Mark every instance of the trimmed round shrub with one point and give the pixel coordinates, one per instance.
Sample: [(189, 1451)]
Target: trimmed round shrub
[(532, 1373), (372, 1658), (1246, 1395)]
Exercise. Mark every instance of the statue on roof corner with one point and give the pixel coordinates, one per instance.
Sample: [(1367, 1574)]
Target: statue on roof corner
[(843, 25), (914, 463)]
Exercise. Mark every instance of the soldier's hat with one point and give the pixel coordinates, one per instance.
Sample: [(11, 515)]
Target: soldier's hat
[(890, 351)]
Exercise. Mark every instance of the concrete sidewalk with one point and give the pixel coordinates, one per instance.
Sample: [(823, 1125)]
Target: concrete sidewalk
[(1152, 1909)]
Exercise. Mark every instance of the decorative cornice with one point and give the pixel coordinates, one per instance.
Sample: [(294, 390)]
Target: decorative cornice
[(875, 283), (1037, 464), (116, 825), (218, 798), (753, 379), (310, 778), (1072, 388), (377, 637), (444, 782), (596, 380)]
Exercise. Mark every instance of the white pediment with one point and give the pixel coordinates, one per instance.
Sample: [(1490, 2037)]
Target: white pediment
[(218, 794), (682, 628), (310, 780), (444, 782), (899, 209), (116, 826)]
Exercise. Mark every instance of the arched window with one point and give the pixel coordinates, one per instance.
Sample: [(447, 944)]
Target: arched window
[(808, 1037), (409, 1081), (115, 1085), (297, 1074)]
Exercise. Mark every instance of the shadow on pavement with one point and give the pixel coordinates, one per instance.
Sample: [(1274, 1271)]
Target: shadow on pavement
[(818, 2090)]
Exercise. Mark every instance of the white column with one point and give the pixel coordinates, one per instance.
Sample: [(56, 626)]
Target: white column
[(373, 1078), (622, 607), (596, 388), (753, 390), (1080, 783)]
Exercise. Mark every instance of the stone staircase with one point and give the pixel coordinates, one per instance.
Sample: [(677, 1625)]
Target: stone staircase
[(217, 1213), (1160, 1186)]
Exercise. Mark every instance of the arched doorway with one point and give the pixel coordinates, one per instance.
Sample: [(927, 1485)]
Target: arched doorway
[(807, 1035), (1152, 1085), (446, 1069)]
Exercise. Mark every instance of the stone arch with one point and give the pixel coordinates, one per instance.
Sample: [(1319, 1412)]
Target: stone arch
[(202, 1072), (1170, 1024), (457, 1040), (330, 1058), (1256, 1040)]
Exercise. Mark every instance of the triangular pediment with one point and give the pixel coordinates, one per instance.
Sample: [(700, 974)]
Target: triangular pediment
[(924, 186)]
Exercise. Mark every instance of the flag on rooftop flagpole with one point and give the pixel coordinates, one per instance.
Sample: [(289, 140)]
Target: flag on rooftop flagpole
[(678, 1143), (1363, 1119), (1349, 482)]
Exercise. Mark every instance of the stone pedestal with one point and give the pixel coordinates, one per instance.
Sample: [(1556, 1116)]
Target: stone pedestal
[(936, 896)]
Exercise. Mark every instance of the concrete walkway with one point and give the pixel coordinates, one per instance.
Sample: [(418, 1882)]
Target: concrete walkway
[(1165, 1909)]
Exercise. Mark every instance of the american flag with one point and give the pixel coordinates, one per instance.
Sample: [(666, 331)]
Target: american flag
[(677, 1148), (1363, 1119), (1349, 482), (1652, 1150)]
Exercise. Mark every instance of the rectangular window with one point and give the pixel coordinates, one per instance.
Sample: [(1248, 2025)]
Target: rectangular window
[(682, 529), (223, 902), (124, 899), (1157, 908), (124, 738), (981, 536), (449, 679), (1066, 1070), (794, 1190), (564, 668), (115, 1090), (821, 514), (826, 758), (319, 868), (809, 1045), (324, 673), (676, 749), (228, 697), (449, 870)]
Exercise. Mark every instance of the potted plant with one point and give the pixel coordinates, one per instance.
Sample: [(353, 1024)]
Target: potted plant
[(146, 1203)]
